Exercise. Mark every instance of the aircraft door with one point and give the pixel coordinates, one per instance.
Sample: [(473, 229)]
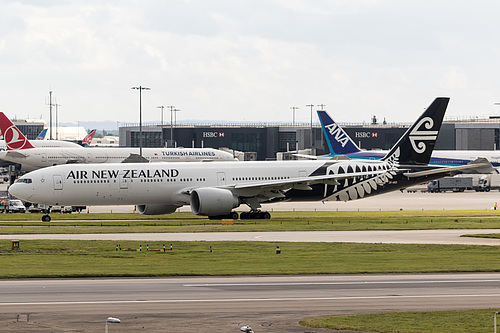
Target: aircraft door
[(89, 158), (44, 157), (221, 178), (123, 183), (58, 182), (302, 173)]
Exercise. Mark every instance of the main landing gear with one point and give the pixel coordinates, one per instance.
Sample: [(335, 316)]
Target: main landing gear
[(255, 215), (251, 215)]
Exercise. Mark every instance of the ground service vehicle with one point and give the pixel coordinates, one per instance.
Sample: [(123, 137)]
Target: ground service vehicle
[(455, 184), (489, 182), (12, 205)]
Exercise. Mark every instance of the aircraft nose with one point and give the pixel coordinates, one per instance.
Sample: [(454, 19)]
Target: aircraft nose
[(14, 190), (19, 191)]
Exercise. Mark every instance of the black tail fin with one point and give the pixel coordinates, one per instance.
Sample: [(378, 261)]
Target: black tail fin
[(417, 144)]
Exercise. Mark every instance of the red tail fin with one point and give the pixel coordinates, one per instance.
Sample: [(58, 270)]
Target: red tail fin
[(88, 138), (13, 137)]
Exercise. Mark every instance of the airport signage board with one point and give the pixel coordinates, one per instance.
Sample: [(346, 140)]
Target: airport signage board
[(214, 134), (365, 135)]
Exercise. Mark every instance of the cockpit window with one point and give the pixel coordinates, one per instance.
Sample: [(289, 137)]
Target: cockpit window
[(24, 180)]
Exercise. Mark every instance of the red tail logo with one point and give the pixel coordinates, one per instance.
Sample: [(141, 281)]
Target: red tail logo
[(14, 139), (88, 138)]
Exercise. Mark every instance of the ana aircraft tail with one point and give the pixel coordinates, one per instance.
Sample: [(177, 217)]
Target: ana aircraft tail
[(42, 134), (417, 144), (13, 137), (88, 138), (338, 140)]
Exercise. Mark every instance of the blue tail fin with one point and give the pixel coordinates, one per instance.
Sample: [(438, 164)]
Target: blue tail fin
[(338, 141), (417, 144), (42, 134)]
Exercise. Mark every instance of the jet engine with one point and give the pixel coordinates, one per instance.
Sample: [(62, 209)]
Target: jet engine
[(156, 209), (213, 201)]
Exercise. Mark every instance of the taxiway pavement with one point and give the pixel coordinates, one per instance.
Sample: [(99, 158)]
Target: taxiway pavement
[(224, 304)]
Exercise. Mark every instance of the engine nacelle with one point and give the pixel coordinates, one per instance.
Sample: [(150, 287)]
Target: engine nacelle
[(156, 209), (213, 201)]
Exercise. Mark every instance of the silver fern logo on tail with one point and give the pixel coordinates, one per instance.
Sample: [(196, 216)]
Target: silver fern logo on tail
[(418, 137)]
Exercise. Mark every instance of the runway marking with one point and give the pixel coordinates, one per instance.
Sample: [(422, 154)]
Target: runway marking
[(343, 298), (332, 283)]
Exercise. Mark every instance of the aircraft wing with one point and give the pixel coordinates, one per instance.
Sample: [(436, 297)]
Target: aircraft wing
[(334, 157), (135, 158), (309, 157), (15, 154), (300, 183)]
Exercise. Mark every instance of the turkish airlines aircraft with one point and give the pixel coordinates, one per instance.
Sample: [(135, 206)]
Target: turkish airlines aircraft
[(22, 152), (38, 143), (214, 189)]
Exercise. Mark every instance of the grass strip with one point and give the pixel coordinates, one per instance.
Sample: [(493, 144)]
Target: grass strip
[(477, 321), (281, 221), (70, 259)]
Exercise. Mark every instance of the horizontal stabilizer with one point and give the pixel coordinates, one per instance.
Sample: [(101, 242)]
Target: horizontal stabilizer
[(443, 171), (482, 165)]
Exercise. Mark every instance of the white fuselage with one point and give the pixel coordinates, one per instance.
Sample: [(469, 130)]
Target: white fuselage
[(46, 144), (36, 158), (165, 183)]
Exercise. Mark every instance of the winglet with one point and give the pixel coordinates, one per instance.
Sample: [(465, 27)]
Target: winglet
[(88, 138), (13, 137), (338, 140), (417, 144)]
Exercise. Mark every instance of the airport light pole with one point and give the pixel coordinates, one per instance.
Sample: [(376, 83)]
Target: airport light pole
[(57, 120), (311, 106), (50, 115), (140, 88), (175, 119), (294, 108), (161, 107), (322, 106), (171, 107)]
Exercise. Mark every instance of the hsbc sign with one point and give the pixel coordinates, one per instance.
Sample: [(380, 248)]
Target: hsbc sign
[(214, 134), (366, 135)]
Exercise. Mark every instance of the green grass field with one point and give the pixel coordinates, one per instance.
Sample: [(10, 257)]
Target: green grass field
[(281, 221), (69, 259), (477, 321)]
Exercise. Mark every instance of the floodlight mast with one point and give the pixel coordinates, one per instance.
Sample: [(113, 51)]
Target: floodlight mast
[(293, 109), (140, 88), (161, 107), (311, 106)]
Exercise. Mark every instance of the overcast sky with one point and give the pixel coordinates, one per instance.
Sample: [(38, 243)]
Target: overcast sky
[(248, 60)]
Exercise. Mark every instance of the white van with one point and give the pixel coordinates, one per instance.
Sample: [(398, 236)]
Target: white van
[(16, 206)]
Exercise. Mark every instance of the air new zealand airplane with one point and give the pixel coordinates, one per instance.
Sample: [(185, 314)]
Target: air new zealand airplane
[(214, 189)]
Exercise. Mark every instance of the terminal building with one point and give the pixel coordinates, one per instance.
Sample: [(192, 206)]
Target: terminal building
[(269, 141), (264, 142)]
